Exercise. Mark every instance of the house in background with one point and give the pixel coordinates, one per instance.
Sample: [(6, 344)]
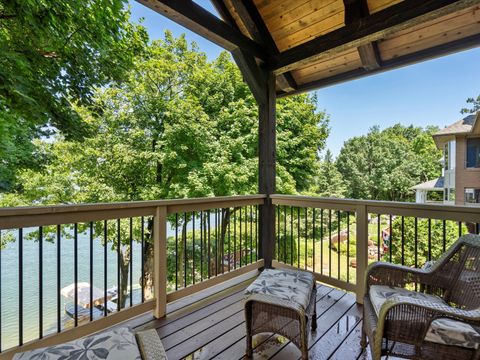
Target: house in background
[(460, 180)]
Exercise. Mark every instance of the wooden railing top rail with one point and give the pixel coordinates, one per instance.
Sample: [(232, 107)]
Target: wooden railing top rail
[(26, 216), (434, 211)]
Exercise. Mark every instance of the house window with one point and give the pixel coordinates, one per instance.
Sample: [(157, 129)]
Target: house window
[(472, 196), (473, 153), (449, 155)]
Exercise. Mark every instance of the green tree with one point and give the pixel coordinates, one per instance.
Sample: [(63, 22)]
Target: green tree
[(54, 54), (474, 108), (384, 165), (329, 181), (416, 243), (178, 126)]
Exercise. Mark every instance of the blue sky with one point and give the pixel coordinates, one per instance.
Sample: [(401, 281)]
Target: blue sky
[(428, 93)]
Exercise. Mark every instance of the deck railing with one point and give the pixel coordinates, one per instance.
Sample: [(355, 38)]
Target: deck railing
[(136, 257), (120, 260), (336, 239)]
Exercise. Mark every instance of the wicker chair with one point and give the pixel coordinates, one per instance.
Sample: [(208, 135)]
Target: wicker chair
[(408, 323)]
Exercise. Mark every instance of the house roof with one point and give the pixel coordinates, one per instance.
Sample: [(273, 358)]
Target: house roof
[(309, 44), (468, 125), (432, 185)]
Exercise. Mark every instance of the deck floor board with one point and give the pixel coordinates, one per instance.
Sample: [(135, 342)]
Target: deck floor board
[(214, 328)]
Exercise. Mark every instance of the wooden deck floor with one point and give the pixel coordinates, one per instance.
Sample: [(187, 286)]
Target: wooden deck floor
[(214, 328)]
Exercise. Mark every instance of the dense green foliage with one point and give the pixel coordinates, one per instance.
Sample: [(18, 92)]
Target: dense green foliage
[(384, 165), (474, 108), (54, 54), (329, 181)]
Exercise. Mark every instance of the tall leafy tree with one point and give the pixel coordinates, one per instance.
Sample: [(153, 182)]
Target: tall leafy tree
[(54, 54), (177, 126), (329, 181), (384, 165)]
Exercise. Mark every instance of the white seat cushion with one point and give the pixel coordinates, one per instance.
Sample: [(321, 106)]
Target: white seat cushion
[(441, 331), (110, 345), (291, 285), (381, 293), (452, 332)]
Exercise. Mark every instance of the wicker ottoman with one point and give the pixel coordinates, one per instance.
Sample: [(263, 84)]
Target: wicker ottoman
[(282, 302)]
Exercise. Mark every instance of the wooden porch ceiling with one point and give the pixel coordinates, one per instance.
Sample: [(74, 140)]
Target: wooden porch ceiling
[(310, 44)]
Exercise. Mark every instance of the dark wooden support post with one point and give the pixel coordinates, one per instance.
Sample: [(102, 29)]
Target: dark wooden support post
[(266, 168)]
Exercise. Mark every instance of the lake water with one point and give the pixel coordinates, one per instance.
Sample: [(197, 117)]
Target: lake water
[(9, 267)]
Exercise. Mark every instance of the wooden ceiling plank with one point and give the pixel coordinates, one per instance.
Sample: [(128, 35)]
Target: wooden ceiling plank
[(377, 5), (376, 26), (288, 22), (432, 40), (195, 18), (323, 27), (419, 56)]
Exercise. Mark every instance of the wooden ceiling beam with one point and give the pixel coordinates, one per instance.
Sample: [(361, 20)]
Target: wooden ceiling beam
[(366, 30), (256, 27), (247, 64), (195, 18), (404, 60), (369, 54)]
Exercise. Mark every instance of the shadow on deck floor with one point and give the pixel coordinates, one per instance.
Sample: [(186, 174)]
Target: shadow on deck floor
[(214, 328)]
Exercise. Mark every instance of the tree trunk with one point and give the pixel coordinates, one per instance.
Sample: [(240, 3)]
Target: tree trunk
[(124, 278), (225, 214)]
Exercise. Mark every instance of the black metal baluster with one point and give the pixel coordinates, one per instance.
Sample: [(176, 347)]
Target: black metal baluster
[(20, 286), (277, 208), (298, 237), (306, 237), (416, 242), (193, 248), (131, 262), (142, 260), (176, 251), (40, 282), (59, 285), (234, 238), (348, 246), (429, 239), (285, 234), (75, 271), (330, 242), (379, 219), (256, 232), (184, 235), (390, 243), (202, 239), (313, 238), (444, 233), (321, 241), (460, 228), (105, 274), (477, 228), (291, 235), (403, 240), (119, 293), (251, 234), (216, 242), (91, 270), (229, 245), (209, 243), (338, 243), (240, 235)]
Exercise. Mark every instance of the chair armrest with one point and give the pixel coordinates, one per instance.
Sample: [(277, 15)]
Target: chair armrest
[(382, 273), (413, 317)]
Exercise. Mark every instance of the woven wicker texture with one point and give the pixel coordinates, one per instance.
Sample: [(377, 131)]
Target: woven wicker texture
[(402, 324), (270, 313)]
